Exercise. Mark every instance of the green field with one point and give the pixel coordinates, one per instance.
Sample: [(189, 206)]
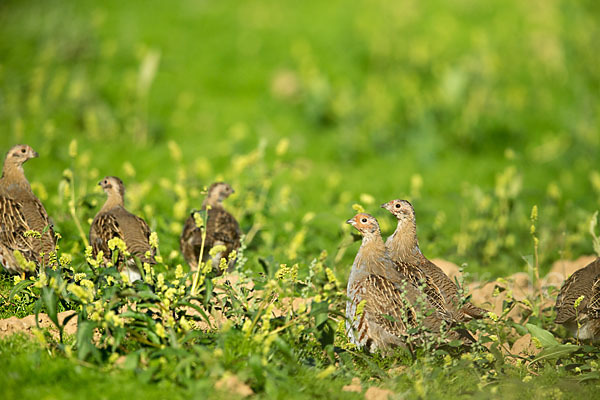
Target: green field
[(474, 111)]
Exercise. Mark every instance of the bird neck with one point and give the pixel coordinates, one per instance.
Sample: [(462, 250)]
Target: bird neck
[(113, 200), (403, 243), (213, 201), (13, 178), (371, 249)]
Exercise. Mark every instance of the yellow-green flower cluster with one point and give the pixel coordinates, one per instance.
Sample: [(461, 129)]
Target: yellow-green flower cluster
[(84, 292), (65, 259), (113, 319), (286, 273), (42, 280), (149, 274), (94, 262), (118, 243), (153, 240), (23, 263)]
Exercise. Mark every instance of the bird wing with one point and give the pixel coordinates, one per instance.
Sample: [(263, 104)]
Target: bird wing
[(418, 278), (104, 227), (13, 225), (223, 227), (136, 234), (385, 310), (37, 218), (389, 305), (579, 284), (594, 304)]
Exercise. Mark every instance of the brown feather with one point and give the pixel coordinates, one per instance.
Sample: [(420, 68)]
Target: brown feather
[(221, 229), (403, 248), (22, 211), (114, 221)]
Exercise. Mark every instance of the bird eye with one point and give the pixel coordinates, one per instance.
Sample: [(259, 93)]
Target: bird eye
[(363, 220), (23, 150), (397, 205)]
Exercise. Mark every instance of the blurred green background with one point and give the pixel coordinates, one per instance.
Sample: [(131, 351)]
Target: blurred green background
[(475, 111)]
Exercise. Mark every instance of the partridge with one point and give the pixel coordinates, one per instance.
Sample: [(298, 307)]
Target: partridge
[(114, 221), (582, 321), (21, 211), (403, 248), (221, 229), (390, 299)]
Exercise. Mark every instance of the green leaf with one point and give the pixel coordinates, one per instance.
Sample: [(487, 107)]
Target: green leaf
[(19, 287), (546, 338), (555, 352), (85, 332), (50, 301)]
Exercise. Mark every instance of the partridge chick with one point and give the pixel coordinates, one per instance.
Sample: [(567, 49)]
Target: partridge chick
[(584, 321), (403, 248), (22, 211), (221, 229), (391, 299), (114, 221)]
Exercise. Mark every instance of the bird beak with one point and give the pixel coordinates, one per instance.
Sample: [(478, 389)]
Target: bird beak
[(384, 205), (34, 154), (350, 221), (100, 183), (232, 191)]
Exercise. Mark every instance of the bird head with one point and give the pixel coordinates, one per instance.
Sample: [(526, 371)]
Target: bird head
[(112, 185), (20, 153), (401, 209), (364, 223), (219, 191)]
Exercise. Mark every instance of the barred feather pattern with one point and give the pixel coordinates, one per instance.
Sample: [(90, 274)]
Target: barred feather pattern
[(582, 321), (221, 229), (403, 248), (16, 218), (120, 223)]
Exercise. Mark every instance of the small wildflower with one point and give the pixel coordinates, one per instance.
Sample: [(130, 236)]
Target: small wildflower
[(358, 208), (578, 301), (87, 283), (23, 263), (153, 240), (124, 277), (85, 295), (367, 198), (73, 148), (493, 316), (330, 276), (117, 243), (360, 308), (246, 327), (66, 259), (527, 379), (534, 213), (216, 250), (160, 330)]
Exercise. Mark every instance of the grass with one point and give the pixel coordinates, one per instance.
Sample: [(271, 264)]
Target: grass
[(474, 111)]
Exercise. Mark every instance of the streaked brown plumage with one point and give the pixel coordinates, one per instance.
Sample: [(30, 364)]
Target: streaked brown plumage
[(22, 211), (584, 282), (221, 229), (392, 300), (403, 248), (113, 220)]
